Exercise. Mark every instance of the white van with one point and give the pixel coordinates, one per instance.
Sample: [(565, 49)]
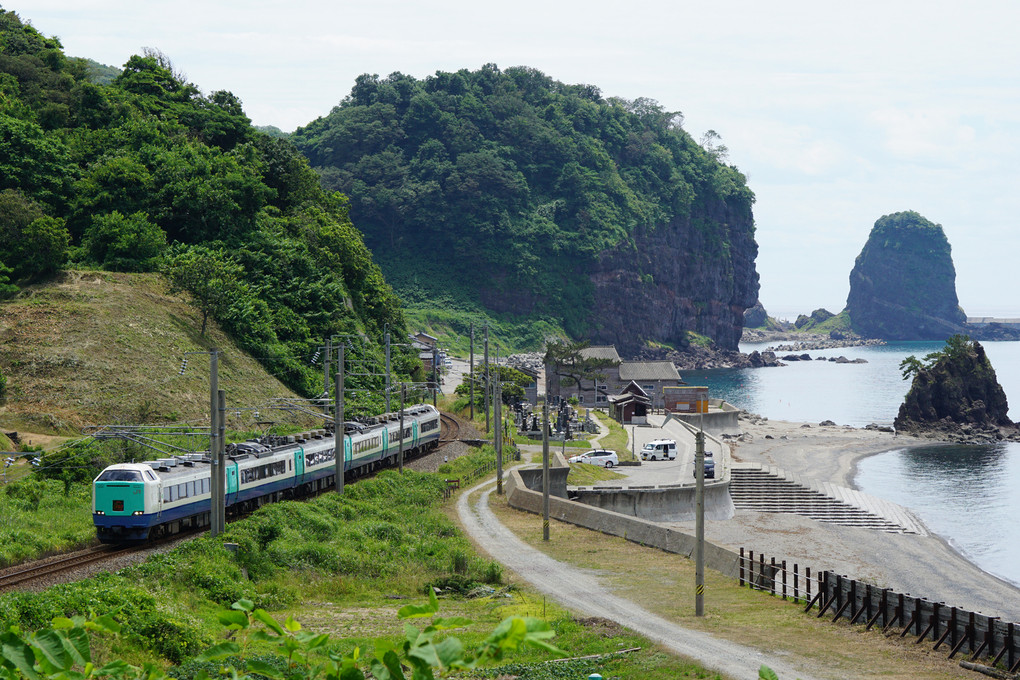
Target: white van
[(659, 449)]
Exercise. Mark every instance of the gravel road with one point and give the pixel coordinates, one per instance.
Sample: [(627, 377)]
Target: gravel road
[(579, 590)]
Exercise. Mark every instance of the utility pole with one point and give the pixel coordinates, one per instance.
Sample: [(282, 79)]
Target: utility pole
[(498, 399), (400, 456), (699, 544), (386, 337), (221, 426), (216, 487), (435, 374), (545, 468), (338, 422), (325, 376), (487, 379), (471, 372)]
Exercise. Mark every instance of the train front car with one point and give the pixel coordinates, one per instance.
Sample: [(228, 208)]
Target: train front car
[(121, 497)]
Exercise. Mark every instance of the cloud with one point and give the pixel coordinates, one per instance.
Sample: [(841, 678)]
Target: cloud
[(924, 134)]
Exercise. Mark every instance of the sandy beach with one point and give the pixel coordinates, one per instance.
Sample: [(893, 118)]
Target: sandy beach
[(923, 566)]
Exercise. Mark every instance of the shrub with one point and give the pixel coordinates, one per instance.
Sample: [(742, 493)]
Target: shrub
[(124, 243)]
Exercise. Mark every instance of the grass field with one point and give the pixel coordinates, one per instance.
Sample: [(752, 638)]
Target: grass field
[(663, 583)]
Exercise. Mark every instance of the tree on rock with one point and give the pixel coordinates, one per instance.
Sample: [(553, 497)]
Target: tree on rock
[(952, 387)]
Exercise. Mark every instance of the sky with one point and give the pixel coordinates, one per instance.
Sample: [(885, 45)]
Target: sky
[(838, 113)]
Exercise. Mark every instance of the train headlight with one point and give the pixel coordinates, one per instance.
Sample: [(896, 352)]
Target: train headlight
[(100, 512), (137, 512)]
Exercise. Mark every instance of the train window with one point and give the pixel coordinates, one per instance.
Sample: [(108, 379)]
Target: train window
[(120, 476), (151, 475), (191, 488), (182, 490), (205, 485), (173, 493), (166, 494), (312, 459)]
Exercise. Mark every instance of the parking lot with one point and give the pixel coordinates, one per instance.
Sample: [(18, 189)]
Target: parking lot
[(679, 471)]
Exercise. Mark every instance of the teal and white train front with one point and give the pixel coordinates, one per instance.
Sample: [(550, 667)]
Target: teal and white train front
[(137, 501)]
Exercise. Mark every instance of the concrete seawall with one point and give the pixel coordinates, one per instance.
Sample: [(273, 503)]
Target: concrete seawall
[(636, 529), (721, 419), (666, 503)]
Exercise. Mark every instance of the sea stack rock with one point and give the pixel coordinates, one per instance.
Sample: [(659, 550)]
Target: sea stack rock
[(756, 316), (955, 392), (903, 284)]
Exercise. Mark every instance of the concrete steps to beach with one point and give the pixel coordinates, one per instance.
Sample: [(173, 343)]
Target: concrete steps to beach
[(758, 488)]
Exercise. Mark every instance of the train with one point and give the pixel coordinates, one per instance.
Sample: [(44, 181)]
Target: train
[(135, 502)]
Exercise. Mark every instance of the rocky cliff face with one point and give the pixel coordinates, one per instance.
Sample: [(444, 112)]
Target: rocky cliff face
[(955, 392), (903, 284), (696, 273)]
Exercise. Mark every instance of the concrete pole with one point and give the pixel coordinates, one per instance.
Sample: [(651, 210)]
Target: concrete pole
[(471, 372), (325, 376), (699, 532), (221, 425), (545, 468), (216, 472), (487, 383), (386, 337), (498, 399), (435, 374), (338, 423), (400, 456)]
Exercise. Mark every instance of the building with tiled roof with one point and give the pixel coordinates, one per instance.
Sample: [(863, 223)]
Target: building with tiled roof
[(651, 376)]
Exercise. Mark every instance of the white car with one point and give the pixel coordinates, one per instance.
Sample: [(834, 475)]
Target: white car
[(659, 449), (602, 457)]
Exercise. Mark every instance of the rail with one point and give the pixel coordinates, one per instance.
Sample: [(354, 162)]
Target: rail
[(25, 573)]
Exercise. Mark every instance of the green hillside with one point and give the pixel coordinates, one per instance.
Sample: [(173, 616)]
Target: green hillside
[(497, 191), (150, 174)]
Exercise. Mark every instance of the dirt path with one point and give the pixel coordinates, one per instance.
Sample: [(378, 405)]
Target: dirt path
[(580, 591)]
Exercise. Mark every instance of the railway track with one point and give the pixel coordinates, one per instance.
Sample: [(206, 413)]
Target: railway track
[(449, 429), (24, 574)]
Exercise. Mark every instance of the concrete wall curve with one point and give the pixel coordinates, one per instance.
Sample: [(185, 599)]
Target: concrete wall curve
[(629, 527)]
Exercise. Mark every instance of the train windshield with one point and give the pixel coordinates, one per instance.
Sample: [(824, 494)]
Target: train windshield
[(120, 476)]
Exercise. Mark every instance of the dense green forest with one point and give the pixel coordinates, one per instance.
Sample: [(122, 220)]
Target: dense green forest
[(496, 189), (148, 173)]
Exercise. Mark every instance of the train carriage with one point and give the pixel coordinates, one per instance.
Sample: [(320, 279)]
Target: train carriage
[(136, 501)]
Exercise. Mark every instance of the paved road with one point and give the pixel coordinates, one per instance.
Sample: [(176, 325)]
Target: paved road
[(580, 591)]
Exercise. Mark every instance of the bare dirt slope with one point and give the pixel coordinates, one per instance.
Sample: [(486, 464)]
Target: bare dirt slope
[(99, 347)]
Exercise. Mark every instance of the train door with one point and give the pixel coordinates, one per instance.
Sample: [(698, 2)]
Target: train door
[(414, 434), (231, 482), (347, 453), (299, 466), (385, 444)]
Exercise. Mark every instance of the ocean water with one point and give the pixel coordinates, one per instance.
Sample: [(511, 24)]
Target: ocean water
[(968, 495)]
